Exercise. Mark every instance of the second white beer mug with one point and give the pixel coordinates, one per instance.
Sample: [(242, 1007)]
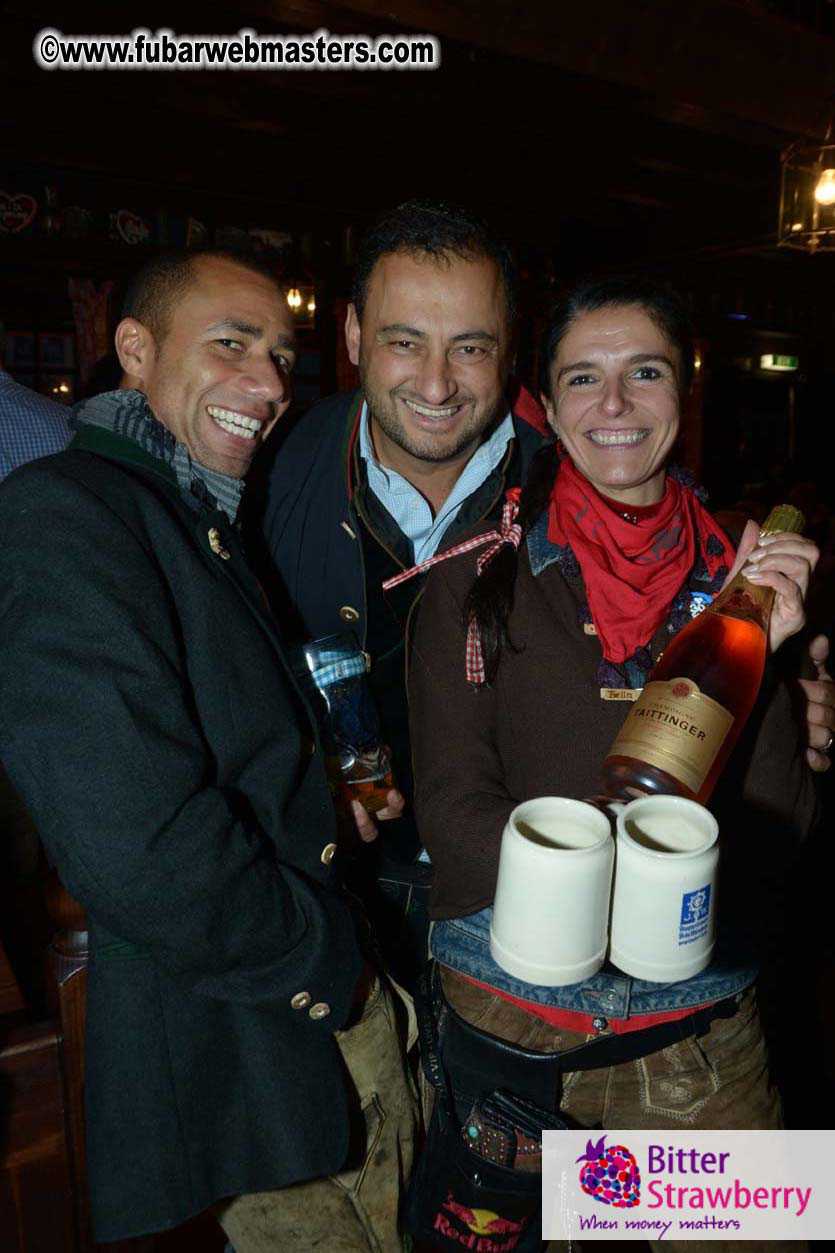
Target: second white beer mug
[(664, 898)]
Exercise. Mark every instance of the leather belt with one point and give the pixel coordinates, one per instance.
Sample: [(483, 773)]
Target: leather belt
[(477, 1062)]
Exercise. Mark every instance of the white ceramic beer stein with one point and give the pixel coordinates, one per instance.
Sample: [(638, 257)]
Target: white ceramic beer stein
[(664, 897), (551, 910)]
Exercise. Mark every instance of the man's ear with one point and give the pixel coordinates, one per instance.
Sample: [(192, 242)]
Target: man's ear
[(135, 349), (353, 335)]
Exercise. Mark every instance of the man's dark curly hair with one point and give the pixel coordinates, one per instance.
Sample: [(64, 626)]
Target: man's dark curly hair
[(435, 229)]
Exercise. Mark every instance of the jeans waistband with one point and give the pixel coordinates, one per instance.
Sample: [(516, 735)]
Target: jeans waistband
[(463, 944)]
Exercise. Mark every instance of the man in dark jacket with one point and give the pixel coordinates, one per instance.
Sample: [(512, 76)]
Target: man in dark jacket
[(152, 725), (368, 484)]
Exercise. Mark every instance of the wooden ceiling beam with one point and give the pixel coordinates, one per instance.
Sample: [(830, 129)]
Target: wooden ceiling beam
[(714, 57), (342, 108)]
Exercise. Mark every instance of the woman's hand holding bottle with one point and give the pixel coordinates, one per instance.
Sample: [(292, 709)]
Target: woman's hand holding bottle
[(784, 561)]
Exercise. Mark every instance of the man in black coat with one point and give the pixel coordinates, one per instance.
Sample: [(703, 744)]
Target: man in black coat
[(369, 483), (152, 725)]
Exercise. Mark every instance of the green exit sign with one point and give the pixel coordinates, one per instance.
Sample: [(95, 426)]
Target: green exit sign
[(778, 361)]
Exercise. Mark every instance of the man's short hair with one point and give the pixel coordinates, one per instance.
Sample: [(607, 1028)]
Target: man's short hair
[(438, 230), (163, 281)]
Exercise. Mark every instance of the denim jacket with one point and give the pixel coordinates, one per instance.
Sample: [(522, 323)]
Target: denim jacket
[(464, 943)]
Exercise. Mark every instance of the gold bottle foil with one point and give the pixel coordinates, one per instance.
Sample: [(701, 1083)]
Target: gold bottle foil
[(783, 518)]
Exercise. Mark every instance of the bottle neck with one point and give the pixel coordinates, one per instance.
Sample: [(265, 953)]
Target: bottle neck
[(748, 601)]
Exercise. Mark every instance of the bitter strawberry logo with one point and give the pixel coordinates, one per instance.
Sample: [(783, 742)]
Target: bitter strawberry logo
[(610, 1176), (681, 690)]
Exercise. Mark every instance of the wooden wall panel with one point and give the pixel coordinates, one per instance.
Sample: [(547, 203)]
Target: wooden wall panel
[(36, 1212)]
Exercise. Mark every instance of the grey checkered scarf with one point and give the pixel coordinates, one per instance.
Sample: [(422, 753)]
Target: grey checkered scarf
[(127, 413)]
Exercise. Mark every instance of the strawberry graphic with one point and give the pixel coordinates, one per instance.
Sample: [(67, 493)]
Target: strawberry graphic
[(610, 1175)]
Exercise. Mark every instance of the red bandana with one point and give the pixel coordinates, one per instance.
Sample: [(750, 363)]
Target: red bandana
[(632, 571)]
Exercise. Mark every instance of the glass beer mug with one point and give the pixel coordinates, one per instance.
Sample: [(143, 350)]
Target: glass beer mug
[(357, 761)]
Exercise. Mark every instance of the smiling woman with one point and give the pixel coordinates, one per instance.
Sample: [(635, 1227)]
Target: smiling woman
[(601, 561), (619, 406)]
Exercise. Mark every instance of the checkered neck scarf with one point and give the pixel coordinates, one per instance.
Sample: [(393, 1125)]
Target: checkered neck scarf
[(127, 413)]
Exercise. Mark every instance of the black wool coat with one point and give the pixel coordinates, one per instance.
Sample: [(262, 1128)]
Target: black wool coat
[(150, 722), (318, 518)]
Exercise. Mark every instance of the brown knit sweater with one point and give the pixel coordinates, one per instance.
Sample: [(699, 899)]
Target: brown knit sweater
[(542, 729)]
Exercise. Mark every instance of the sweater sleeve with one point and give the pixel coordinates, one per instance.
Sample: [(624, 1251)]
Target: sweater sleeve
[(461, 797), (768, 779)]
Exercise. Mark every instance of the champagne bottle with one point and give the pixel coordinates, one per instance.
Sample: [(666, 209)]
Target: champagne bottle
[(682, 728)]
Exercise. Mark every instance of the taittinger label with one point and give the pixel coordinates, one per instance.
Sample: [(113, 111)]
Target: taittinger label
[(675, 727)]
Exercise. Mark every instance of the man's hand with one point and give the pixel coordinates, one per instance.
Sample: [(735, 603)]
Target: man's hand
[(820, 706), (784, 562), (366, 826)]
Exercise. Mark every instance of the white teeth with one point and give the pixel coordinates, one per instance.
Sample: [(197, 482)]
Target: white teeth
[(234, 423), (232, 429), (613, 438), (431, 413)]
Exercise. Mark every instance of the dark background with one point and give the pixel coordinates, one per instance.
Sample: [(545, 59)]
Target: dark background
[(596, 137)]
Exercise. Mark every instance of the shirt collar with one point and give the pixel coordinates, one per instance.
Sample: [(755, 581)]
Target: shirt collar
[(365, 446)]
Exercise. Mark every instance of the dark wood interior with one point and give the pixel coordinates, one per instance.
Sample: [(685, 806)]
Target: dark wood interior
[(622, 132), (44, 1200), (596, 137), (645, 138)]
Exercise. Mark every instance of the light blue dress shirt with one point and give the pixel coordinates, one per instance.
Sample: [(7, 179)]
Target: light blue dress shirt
[(410, 510)]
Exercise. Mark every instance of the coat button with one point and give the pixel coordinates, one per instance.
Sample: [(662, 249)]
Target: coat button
[(301, 1000), (349, 614), (328, 854), (216, 544), (319, 1010)]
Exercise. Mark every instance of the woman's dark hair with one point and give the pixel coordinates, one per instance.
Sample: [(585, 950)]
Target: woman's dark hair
[(490, 599), (666, 308)]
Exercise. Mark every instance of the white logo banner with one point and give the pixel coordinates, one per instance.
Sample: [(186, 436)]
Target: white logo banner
[(688, 1185)]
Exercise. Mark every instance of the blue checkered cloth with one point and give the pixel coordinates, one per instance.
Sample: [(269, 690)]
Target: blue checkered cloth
[(336, 666), (30, 425)]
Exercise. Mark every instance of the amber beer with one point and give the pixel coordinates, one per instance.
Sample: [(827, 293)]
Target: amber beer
[(682, 728), (371, 792), (333, 673)]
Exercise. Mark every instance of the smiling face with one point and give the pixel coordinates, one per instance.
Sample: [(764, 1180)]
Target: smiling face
[(219, 378), (615, 401), (433, 350)]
